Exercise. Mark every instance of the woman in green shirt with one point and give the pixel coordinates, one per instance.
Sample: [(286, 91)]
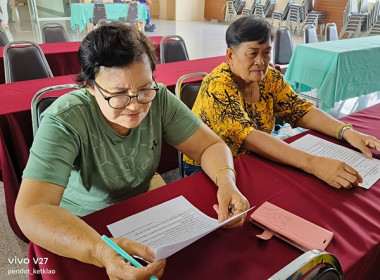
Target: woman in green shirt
[(101, 144)]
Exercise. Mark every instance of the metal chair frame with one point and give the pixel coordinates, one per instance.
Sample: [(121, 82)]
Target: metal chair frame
[(306, 263), (189, 103), (36, 101), (171, 38), (282, 13), (56, 28), (22, 44), (231, 13)]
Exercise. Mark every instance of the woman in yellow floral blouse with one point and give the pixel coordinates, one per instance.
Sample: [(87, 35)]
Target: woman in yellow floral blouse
[(239, 100)]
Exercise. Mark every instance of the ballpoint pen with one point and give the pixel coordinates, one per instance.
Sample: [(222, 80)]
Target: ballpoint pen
[(124, 254)]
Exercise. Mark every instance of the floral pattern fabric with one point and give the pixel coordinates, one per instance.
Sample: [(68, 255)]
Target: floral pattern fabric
[(221, 106)]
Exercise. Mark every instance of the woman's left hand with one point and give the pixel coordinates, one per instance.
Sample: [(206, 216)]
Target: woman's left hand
[(231, 203), (362, 141)]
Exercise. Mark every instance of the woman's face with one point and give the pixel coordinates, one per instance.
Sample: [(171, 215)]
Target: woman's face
[(129, 80), (249, 60)]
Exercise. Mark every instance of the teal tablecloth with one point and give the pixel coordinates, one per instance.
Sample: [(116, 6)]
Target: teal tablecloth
[(338, 69), (81, 14)]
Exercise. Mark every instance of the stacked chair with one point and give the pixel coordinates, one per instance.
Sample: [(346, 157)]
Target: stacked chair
[(249, 11), (298, 11), (239, 6), (374, 20), (231, 14), (264, 8), (316, 18), (355, 20), (280, 11)]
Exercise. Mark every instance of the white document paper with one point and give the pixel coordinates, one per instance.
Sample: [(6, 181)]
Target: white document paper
[(167, 227), (369, 169)]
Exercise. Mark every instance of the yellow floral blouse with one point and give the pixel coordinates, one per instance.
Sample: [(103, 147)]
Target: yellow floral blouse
[(222, 107)]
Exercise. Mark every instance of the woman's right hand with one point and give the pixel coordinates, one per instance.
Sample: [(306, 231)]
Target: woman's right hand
[(335, 173), (118, 268)]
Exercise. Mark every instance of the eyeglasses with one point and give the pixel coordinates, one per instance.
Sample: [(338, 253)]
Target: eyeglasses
[(121, 100)]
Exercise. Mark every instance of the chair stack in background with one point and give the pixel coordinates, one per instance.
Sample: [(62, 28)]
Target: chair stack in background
[(231, 14), (264, 8), (297, 14), (239, 6), (356, 17), (316, 18), (249, 11), (280, 11), (374, 20)]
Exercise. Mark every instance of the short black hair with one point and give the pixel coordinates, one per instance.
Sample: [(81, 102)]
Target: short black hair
[(247, 29), (112, 45)]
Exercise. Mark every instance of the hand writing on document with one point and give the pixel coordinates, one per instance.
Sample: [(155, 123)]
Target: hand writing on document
[(228, 195), (117, 267)]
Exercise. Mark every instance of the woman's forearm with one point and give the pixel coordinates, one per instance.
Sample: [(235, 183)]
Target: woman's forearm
[(216, 157), (319, 121), (55, 228), (277, 150)]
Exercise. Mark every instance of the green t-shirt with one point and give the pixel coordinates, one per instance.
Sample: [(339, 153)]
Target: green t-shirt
[(77, 149)]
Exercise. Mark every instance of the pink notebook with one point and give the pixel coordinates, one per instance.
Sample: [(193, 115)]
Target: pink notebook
[(289, 227)]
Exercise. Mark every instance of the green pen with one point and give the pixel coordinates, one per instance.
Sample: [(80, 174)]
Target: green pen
[(124, 254)]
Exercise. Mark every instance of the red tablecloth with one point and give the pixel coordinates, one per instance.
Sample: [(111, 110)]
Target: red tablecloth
[(63, 57), (353, 216), (16, 130)]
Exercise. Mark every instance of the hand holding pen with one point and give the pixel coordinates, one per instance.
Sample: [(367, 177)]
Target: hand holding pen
[(121, 265)]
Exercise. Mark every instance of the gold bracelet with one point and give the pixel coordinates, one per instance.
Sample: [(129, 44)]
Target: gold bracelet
[(221, 169), (342, 128)]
